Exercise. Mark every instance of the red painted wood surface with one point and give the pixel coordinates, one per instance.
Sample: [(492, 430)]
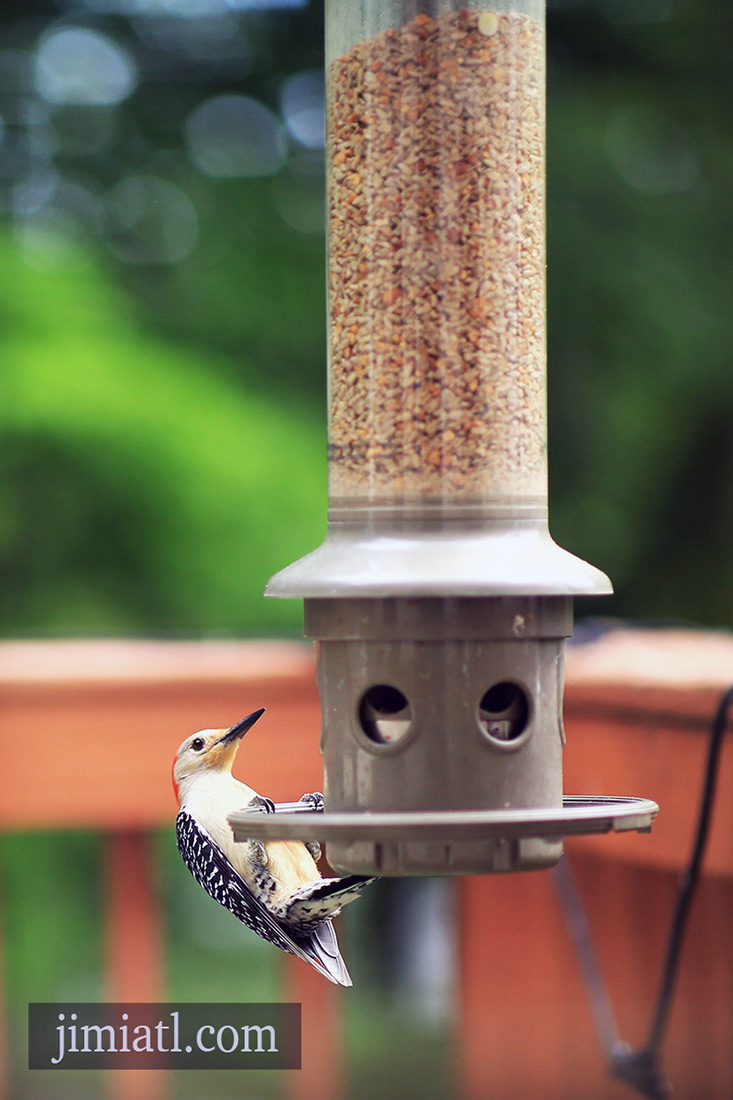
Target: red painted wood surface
[(89, 731), (90, 728), (320, 1076), (638, 709), (525, 1028), (134, 946)]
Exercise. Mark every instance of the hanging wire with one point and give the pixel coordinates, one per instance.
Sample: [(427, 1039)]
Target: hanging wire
[(642, 1068), (579, 931)]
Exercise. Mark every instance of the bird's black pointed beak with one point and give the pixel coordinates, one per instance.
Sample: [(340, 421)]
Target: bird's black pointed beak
[(241, 728)]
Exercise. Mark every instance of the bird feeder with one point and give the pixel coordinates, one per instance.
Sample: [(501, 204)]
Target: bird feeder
[(439, 602)]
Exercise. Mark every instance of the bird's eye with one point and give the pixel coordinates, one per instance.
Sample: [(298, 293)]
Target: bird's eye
[(197, 744)]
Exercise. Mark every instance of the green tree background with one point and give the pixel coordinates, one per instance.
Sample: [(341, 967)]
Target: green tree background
[(162, 424)]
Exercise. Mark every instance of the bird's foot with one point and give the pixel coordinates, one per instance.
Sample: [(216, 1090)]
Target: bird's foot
[(315, 799), (264, 805)]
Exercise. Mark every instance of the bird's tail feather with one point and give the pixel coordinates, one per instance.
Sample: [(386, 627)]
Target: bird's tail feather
[(347, 889), (316, 901), (322, 951)]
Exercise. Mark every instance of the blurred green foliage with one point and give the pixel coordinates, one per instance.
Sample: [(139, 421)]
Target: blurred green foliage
[(141, 488), (163, 424), (640, 223)]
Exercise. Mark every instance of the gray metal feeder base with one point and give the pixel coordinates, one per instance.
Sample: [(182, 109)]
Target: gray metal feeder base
[(447, 842)]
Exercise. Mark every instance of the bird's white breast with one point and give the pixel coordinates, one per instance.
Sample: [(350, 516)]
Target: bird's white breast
[(211, 799)]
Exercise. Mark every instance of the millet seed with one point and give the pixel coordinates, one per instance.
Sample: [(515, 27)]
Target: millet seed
[(436, 261)]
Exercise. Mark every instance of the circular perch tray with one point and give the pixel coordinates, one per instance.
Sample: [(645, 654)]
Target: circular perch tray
[(579, 814)]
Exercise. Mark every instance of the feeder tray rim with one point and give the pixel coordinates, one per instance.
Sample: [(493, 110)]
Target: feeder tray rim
[(578, 815)]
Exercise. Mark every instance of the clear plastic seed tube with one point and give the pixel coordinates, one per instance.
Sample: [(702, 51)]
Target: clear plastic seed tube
[(436, 147)]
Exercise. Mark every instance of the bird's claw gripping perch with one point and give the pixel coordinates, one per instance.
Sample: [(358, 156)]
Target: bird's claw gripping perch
[(264, 805), (315, 799), (310, 803)]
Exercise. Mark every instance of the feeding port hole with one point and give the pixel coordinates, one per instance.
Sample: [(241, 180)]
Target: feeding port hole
[(504, 712), (385, 714)]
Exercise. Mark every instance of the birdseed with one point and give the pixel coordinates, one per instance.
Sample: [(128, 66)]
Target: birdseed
[(437, 261)]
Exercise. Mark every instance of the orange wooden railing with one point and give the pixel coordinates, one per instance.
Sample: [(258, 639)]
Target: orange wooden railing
[(638, 706), (88, 733)]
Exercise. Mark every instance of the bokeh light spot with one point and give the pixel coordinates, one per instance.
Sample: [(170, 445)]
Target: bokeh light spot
[(303, 105), (230, 136), (78, 65)]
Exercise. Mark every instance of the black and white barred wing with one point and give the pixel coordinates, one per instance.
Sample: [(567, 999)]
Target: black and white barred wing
[(212, 870), (218, 877)]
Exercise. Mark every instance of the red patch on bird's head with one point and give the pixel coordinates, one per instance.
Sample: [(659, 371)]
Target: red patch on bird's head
[(176, 791)]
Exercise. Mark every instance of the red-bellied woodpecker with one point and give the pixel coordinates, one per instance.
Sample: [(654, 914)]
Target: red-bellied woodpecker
[(273, 887)]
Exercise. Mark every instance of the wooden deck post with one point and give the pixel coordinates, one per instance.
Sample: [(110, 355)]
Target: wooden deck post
[(134, 947), (320, 1075), (524, 1030)]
